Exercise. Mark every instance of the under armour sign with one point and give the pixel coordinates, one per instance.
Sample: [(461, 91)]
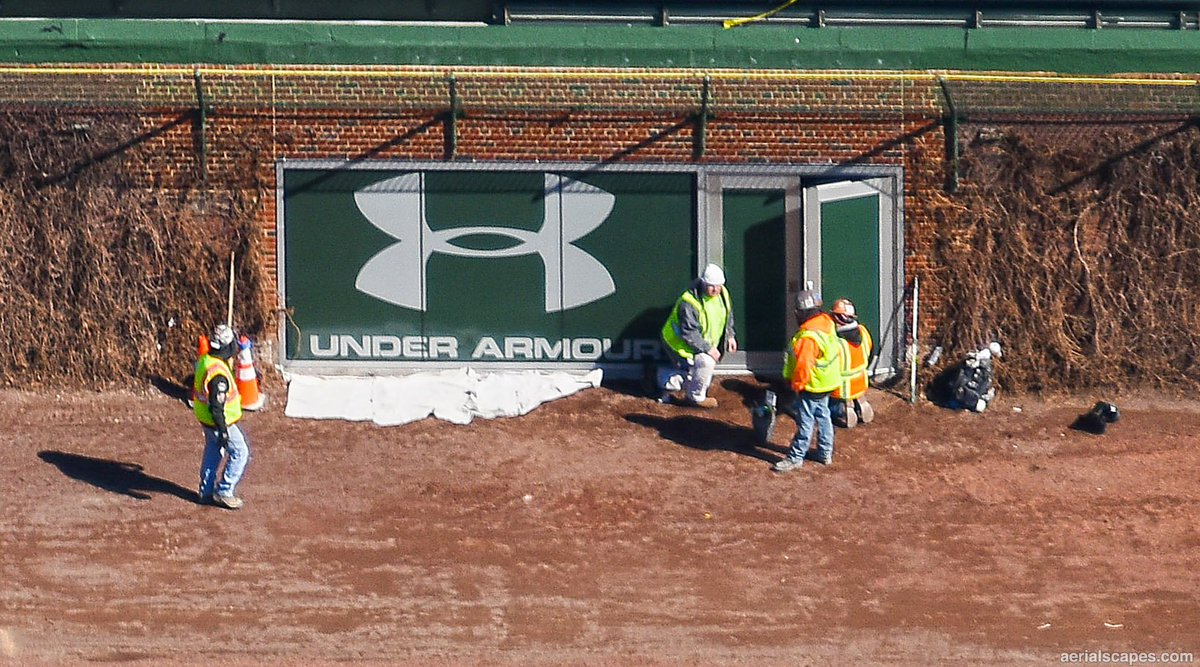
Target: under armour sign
[(572, 210)]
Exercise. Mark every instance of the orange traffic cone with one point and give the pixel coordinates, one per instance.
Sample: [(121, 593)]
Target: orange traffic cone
[(247, 377), (201, 350)]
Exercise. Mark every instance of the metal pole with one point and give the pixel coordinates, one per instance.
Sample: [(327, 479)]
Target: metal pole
[(203, 129), (701, 143), (452, 121), (950, 128), (914, 349)]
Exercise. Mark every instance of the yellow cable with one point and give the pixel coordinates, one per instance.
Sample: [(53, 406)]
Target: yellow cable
[(591, 73), (733, 23)]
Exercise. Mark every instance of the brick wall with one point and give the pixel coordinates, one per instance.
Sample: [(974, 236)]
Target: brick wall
[(257, 116)]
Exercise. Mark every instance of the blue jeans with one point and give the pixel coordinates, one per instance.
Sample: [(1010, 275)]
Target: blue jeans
[(812, 411), (238, 452)]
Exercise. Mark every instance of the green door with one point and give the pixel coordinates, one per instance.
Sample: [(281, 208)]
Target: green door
[(849, 226), (755, 263), (850, 255), (755, 235)]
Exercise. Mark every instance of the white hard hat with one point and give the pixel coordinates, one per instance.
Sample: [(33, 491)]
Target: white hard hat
[(222, 335), (713, 275)]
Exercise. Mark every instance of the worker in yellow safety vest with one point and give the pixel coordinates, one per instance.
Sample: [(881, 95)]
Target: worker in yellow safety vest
[(848, 405), (218, 408), (812, 366), (697, 332)]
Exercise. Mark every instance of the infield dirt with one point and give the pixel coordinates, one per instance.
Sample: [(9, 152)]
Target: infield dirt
[(599, 529)]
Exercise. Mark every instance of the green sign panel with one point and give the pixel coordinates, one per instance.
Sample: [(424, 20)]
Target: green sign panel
[(517, 266)]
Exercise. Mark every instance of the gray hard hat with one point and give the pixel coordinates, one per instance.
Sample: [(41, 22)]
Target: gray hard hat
[(808, 299)]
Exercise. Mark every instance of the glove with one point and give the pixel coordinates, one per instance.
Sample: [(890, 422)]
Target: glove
[(223, 438)]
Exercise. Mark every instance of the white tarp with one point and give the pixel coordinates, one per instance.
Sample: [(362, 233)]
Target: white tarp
[(456, 395)]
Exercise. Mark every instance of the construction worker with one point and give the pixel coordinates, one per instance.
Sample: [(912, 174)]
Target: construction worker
[(847, 405), (699, 328), (812, 366), (218, 406)]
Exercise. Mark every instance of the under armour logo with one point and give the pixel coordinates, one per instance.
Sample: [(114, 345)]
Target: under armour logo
[(397, 273)]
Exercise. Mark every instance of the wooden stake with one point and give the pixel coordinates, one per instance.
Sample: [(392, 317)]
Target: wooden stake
[(229, 309)]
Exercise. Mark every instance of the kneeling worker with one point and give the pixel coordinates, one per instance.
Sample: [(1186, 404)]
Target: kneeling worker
[(699, 328), (848, 406)]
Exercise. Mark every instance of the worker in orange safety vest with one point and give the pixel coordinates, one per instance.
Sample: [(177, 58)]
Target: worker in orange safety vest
[(848, 405), (812, 368)]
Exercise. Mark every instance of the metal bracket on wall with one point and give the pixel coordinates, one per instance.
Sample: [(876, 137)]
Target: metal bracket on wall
[(700, 142), (452, 117), (950, 130), (201, 127)]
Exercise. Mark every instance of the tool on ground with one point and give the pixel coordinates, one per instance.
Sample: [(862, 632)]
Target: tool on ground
[(762, 417), (971, 382), (1097, 419)]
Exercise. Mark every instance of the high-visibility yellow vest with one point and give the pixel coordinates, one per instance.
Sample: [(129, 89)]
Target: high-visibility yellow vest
[(713, 314), (826, 375), (207, 368), (854, 367)]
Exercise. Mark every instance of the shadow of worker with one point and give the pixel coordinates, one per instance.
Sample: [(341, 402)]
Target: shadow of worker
[(702, 434), (127, 479), (179, 390)]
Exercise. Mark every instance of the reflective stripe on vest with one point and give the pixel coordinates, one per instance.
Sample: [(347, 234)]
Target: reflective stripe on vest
[(207, 368), (854, 367), (826, 376), (670, 331)]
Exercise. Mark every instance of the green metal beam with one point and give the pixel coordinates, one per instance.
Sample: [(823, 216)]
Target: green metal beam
[(1065, 50)]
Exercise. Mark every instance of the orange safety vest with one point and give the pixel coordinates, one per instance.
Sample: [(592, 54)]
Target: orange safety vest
[(854, 367)]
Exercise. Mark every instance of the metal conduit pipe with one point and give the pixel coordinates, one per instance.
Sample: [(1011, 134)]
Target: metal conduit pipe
[(973, 18)]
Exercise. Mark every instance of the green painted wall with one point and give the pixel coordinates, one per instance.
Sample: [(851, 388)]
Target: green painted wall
[(1065, 50)]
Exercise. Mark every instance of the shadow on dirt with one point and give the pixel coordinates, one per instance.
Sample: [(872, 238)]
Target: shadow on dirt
[(176, 389), (751, 391), (124, 478), (627, 387), (706, 435)]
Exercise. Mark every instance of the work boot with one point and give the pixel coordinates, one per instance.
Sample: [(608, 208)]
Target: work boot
[(850, 414), (815, 455), (672, 397), (708, 403), (866, 413), (228, 502), (788, 464)]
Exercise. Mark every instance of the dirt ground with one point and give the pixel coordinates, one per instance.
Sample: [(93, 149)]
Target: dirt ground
[(600, 529)]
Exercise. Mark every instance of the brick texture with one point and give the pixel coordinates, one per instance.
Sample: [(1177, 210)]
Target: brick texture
[(254, 117)]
